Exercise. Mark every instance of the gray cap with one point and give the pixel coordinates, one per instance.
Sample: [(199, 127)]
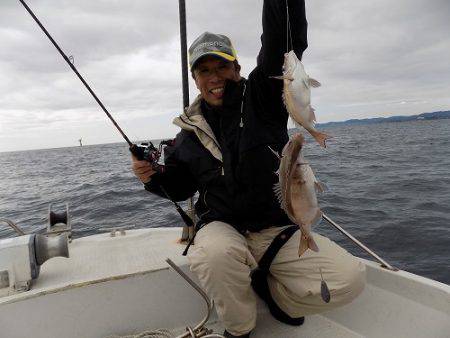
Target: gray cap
[(211, 44)]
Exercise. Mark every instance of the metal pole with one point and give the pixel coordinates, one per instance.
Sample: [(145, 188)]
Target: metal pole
[(384, 264), (183, 43), (188, 232), (209, 304)]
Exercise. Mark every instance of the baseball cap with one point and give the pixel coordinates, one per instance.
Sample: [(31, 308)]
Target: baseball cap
[(211, 44)]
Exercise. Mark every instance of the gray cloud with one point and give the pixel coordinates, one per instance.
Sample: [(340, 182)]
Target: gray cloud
[(373, 59)]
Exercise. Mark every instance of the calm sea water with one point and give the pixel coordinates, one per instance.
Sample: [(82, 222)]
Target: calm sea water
[(389, 185)]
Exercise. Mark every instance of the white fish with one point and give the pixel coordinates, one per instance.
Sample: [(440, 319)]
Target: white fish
[(297, 95), (296, 191)]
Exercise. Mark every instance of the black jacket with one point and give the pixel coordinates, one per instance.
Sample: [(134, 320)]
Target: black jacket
[(228, 162)]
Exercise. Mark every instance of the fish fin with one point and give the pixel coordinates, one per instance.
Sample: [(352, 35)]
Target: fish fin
[(279, 194), (313, 115), (274, 152), (284, 100), (313, 82), (320, 187), (282, 77), (320, 137)]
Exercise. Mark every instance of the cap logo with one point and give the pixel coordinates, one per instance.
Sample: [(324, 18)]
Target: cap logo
[(209, 44)]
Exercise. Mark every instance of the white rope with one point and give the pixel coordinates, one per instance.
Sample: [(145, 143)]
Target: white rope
[(163, 333), (159, 333)]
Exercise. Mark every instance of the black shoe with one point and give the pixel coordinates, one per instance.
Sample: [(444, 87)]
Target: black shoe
[(261, 287), (226, 334)]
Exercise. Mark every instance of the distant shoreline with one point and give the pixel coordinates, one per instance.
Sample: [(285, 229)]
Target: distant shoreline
[(439, 115)]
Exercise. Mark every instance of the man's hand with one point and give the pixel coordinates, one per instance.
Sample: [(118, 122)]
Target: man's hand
[(142, 169)]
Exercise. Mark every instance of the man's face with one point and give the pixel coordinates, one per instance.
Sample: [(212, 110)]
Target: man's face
[(210, 75)]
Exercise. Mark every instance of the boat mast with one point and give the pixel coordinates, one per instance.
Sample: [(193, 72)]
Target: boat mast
[(188, 232)]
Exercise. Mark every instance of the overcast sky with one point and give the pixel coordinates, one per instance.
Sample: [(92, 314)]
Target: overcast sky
[(373, 58)]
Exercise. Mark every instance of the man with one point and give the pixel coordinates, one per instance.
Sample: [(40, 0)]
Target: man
[(223, 153)]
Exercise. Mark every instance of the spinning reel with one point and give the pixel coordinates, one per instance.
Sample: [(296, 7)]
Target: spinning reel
[(146, 151)]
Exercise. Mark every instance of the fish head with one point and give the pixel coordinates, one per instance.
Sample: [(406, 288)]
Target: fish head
[(290, 63)]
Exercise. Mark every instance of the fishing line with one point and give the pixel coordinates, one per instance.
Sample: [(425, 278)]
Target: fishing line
[(288, 29)]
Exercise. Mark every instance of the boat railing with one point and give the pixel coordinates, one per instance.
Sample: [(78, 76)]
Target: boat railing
[(383, 263), (199, 330)]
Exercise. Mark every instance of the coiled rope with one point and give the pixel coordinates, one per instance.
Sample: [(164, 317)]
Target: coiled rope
[(164, 333), (159, 333)]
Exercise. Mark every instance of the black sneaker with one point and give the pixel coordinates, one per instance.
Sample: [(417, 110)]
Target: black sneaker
[(261, 287), (227, 334)]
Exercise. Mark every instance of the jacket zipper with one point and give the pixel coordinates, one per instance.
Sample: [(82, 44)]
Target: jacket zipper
[(241, 123)]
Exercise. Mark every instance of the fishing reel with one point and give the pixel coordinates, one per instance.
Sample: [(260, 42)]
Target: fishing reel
[(146, 151)]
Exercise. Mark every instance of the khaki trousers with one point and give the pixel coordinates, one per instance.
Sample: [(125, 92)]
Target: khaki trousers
[(222, 259)]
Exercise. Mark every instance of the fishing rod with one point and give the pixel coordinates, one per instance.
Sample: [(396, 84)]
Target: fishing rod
[(143, 151)]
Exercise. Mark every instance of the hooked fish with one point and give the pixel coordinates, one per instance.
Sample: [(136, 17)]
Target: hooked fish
[(296, 191), (297, 96)]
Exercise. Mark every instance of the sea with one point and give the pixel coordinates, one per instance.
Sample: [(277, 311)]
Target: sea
[(388, 184)]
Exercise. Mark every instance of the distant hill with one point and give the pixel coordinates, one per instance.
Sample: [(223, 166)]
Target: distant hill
[(424, 116)]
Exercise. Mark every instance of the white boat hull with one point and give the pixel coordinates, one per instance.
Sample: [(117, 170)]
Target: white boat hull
[(122, 285)]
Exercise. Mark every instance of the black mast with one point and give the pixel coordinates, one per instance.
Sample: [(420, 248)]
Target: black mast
[(184, 66)]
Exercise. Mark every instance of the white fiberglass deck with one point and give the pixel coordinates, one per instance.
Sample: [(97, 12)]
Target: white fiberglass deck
[(122, 285)]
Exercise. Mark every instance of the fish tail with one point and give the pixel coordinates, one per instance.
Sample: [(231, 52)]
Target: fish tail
[(312, 244), (307, 243), (320, 137), (303, 246)]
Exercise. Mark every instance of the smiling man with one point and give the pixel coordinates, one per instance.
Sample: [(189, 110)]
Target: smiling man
[(213, 61), (224, 151)]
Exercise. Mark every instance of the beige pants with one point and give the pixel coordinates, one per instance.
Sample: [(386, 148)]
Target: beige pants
[(222, 259)]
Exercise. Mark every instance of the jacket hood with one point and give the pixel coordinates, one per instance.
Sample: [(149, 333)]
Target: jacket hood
[(193, 120)]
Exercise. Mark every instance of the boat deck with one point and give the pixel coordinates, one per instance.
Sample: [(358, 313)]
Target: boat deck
[(112, 286), (100, 258), (315, 326)]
